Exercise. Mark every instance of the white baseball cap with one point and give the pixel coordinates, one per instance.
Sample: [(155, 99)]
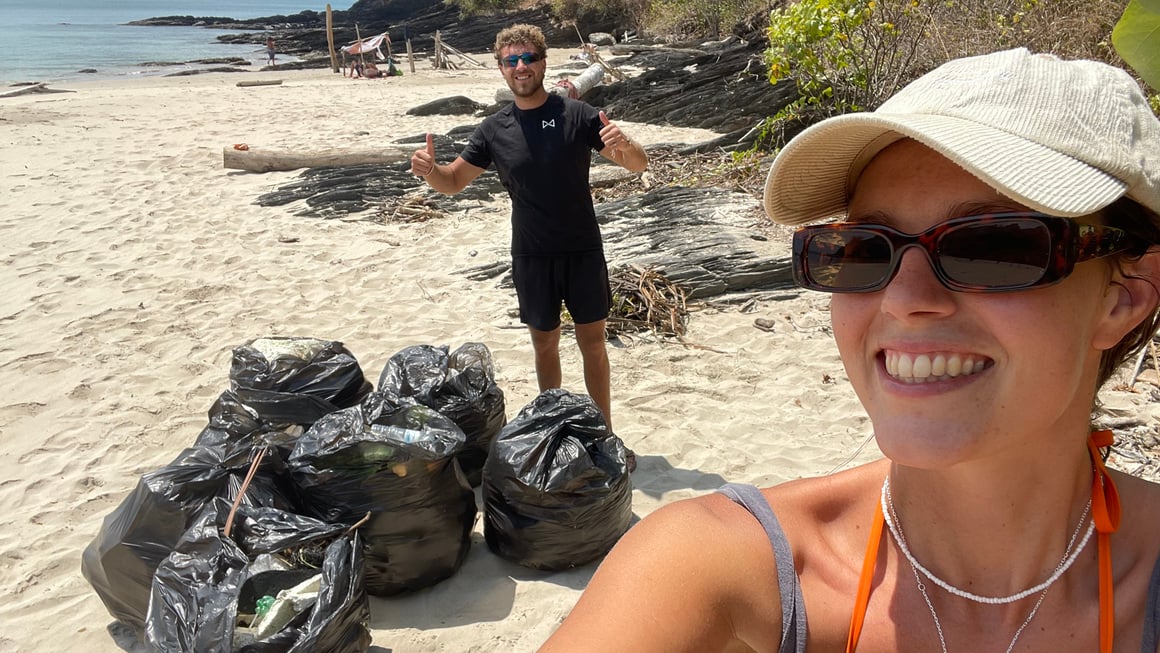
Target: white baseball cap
[(1065, 138)]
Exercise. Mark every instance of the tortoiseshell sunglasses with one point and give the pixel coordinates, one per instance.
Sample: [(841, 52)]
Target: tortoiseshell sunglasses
[(996, 252)]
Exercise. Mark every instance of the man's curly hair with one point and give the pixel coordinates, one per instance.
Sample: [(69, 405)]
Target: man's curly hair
[(521, 35)]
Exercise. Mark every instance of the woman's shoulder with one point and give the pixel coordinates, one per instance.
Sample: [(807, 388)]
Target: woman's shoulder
[(1139, 499), (825, 502), (797, 503)]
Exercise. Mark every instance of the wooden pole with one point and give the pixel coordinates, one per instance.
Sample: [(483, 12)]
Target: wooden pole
[(361, 57), (330, 39), (410, 56)]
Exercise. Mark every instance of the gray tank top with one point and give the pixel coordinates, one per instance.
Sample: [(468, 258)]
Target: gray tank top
[(793, 607)]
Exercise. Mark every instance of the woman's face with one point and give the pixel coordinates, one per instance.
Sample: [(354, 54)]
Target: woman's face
[(1025, 361)]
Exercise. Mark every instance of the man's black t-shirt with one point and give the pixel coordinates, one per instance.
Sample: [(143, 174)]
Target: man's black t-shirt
[(542, 157)]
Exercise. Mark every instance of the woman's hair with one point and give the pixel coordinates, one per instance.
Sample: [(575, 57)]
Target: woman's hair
[(521, 35), (1144, 225)]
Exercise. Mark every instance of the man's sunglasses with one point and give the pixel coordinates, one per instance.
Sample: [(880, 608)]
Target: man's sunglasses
[(996, 252), (514, 60)]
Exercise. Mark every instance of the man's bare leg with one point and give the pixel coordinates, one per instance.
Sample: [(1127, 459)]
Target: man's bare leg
[(547, 347), (590, 338)]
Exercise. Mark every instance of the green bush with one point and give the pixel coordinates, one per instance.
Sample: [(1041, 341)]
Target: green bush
[(851, 55), (1134, 38)]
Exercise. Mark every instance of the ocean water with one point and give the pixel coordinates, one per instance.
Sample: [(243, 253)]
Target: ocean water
[(51, 40)]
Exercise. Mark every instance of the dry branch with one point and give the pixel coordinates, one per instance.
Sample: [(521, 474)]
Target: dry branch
[(644, 300), (412, 207)]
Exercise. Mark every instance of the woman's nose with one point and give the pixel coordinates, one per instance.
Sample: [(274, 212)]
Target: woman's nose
[(915, 288)]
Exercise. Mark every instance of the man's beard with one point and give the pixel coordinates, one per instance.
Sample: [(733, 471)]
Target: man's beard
[(526, 88)]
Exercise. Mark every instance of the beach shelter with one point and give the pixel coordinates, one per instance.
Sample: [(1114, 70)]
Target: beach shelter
[(372, 44)]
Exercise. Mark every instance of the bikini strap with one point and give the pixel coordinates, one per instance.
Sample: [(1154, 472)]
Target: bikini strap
[(1106, 515), (862, 599)]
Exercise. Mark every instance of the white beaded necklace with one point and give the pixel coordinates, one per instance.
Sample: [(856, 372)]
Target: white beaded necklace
[(1069, 555)]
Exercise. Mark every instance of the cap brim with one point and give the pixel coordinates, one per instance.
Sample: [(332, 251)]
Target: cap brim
[(812, 177)]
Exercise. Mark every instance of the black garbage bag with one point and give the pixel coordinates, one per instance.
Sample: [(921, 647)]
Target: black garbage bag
[(283, 385), (393, 458), (557, 491), (139, 534), (460, 385), (206, 593)]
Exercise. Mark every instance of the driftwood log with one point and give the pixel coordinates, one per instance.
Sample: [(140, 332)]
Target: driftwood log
[(257, 160), (39, 87), (261, 82)]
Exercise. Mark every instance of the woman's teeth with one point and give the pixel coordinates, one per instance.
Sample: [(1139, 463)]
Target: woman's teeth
[(927, 368)]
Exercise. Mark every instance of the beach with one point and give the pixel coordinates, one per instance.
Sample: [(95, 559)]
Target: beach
[(134, 263)]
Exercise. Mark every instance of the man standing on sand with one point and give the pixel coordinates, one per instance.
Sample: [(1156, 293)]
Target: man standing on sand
[(270, 50), (541, 146)]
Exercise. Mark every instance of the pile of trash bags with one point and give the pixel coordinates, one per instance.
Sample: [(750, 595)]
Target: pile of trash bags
[(309, 490), (289, 381)]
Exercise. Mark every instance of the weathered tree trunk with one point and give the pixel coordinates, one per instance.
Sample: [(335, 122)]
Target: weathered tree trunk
[(267, 161), (40, 87)]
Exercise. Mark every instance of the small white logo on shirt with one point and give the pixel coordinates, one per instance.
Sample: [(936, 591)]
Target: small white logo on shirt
[(549, 123)]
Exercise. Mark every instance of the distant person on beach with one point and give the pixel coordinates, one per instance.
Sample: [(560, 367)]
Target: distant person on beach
[(542, 146), (270, 50), (371, 71), (996, 260)]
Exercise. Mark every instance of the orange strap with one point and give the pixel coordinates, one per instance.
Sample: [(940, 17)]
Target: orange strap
[(1105, 513), (862, 599)]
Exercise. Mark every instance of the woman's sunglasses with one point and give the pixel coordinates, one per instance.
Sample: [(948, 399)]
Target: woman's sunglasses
[(514, 60), (996, 252)]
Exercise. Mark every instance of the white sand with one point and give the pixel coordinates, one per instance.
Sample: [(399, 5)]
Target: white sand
[(133, 263)]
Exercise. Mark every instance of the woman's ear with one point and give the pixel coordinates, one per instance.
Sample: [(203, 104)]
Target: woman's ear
[(1132, 295)]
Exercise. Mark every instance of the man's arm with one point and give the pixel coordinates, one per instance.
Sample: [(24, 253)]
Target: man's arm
[(620, 149), (448, 179)]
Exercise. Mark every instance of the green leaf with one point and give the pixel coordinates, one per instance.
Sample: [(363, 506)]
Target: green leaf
[(1136, 38)]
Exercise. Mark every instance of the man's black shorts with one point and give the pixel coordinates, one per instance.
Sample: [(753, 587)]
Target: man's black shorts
[(580, 281)]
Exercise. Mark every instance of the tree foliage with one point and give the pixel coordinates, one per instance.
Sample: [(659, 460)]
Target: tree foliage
[(1136, 38), (850, 55)]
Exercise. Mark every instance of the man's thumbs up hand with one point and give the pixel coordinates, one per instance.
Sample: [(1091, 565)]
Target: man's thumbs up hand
[(423, 161)]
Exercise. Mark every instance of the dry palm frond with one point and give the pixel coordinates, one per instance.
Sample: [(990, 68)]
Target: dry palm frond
[(412, 207), (644, 300)]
